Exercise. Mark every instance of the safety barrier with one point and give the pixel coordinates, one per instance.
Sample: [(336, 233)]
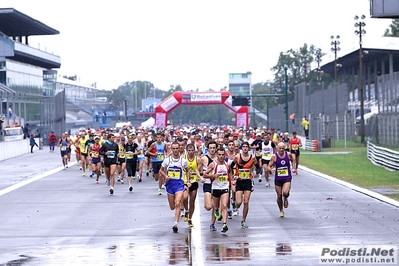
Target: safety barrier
[(311, 145), (383, 157)]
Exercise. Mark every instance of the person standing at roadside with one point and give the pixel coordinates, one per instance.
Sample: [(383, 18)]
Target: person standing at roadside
[(52, 140), (305, 125), (172, 171), (280, 165), (110, 152), (32, 143)]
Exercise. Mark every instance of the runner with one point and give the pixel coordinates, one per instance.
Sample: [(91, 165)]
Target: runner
[(207, 186), (84, 159), (243, 164), (140, 156), (121, 162), (190, 192), (280, 165), (63, 143), (172, 171), (94, 151), (131, 159), (220, 175), (110, 152), (157, 151), (267, 148), (295, 144)]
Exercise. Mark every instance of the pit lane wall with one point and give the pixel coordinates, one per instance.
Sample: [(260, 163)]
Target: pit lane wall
[(15, 148)]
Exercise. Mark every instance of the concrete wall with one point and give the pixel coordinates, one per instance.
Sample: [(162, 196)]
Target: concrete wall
[(10, 149)]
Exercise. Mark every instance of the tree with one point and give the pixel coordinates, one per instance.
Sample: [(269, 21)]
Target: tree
[(393, 30)]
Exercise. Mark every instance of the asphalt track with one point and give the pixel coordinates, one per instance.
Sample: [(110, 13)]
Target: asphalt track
[(51, 216)]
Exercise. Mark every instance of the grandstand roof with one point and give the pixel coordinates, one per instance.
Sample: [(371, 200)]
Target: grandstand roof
[(14, 23), (351, 60)]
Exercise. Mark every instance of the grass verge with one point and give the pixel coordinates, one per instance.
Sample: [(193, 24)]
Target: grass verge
[(354, 168)]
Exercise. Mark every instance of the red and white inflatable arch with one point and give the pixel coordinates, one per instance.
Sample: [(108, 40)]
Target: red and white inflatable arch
[(199, 98)]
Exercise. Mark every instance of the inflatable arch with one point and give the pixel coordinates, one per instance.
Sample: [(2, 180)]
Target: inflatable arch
[(199, 98)]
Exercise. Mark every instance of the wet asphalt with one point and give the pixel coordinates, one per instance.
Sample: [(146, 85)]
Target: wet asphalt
[(51, 216)]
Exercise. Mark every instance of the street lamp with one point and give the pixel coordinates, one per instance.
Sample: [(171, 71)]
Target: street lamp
[(360, 31), (286, 99), (335, 48)]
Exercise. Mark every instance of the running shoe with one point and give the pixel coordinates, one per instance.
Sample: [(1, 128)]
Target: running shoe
[(121, 181), (97, 181), (220, 218), (190, 223), (174, 228), (163, 186), (130, 188), (267, 184), (296, 171), (244, 225), (212, 227), (66, 166), (229, 214), (260, 179), (146, 173), (224, 228), (235, 212), (140, 179), (281, 214), (181, 212), (285, 203), (108, 181), (159, 192), (80, 168), (84, 174), (102, 171), (111, 191), (133, 177), (186, 216), (217, 214)]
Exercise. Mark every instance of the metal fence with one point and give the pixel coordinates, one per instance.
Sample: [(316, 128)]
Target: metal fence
[(332, 112)]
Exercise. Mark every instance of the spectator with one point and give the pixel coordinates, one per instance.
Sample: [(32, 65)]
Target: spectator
[(10, 111), (32, 143), (26, 131), (305, 125), (52, 140)]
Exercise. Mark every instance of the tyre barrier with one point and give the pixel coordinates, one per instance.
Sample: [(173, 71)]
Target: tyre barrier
[(312, 145)]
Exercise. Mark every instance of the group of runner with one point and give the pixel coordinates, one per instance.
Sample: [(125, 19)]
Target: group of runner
[(225, 161)]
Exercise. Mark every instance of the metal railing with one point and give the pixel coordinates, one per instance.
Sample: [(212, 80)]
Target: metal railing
[(383, 157)]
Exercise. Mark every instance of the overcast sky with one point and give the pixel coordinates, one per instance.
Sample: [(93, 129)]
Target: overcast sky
[(191, 43)]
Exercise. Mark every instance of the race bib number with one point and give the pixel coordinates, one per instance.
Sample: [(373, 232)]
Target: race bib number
[(295, 146), (94, 154), (111, 154), (174, 173), (63, 148), (244, 173), (266, 155), (129, 156), (221, 178), (193, 177), (282, 171), (160, 156)]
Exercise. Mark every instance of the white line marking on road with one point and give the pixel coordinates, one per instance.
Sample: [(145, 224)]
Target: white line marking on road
[(32, 179), (196, 241)]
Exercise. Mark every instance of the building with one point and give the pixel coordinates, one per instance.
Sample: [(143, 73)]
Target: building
[(27, 74)]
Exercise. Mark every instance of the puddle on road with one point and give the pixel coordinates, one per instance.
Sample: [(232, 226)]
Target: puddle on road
[(176, 252), (228, 252)]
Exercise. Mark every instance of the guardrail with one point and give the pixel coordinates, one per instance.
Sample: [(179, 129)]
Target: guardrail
[(311, 145), (383, 157)]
